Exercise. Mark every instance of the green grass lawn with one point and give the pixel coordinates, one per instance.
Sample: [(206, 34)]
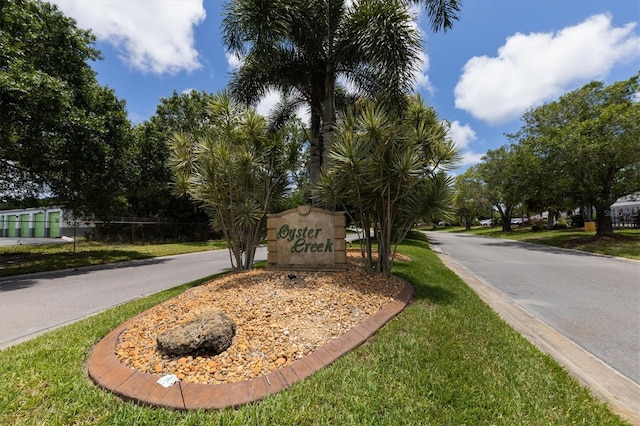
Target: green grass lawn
[(626, 242), (447, 359), (15, 260)]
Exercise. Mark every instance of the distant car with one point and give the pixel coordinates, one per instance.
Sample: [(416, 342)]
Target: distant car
[(486, 222), (442, 223)]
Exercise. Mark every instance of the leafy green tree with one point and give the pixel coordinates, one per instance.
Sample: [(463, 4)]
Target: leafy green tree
[(387, 172), (470, 199), (502, 176), (588, 141), (61, 134), (542, 187), (90, 172), (237, 170), (303, 47), (150, 192)]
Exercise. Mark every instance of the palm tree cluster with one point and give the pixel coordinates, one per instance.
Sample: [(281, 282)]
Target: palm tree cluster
[(303, 48), (237, 170), (389, 170), (309, 50)]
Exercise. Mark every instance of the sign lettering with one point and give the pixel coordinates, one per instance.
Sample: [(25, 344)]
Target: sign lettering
[(301, 235)]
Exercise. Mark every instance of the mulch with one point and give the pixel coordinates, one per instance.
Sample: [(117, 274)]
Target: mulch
[(280, 316)]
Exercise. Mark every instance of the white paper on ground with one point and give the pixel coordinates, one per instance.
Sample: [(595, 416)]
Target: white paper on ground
[(169, 380)]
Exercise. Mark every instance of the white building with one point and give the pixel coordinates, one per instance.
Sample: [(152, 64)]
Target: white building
[(624, 211)]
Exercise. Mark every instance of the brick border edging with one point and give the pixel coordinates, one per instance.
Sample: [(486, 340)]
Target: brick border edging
[(107, 372)]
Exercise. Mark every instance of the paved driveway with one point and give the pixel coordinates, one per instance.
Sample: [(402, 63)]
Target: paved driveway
[(582, 309), (33, 304), (11, 241), (593, 300)]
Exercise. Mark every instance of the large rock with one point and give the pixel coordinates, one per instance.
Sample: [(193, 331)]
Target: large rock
[(211, 332)]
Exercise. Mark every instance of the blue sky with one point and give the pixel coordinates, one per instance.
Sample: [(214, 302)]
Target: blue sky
[(501, 58)]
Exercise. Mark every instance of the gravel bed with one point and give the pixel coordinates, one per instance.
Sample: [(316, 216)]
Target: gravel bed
[(280, 317)]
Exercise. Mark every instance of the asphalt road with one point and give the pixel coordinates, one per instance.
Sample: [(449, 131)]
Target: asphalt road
[(592, 300), (33, 304)]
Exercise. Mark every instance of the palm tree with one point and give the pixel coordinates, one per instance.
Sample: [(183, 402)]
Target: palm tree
[(302, 47), (236, 170), (388, 173)]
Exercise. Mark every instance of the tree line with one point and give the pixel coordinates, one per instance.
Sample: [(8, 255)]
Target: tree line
[(65, 137), (581, 151)]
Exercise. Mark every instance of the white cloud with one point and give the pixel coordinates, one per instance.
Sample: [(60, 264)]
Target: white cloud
[(152, 36), (233, 60), (534, 68), (469, 158), (461, 135), (421, 77), (267, 102)]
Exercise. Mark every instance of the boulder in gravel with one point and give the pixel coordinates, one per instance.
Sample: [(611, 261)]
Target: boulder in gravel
[(211, 332)]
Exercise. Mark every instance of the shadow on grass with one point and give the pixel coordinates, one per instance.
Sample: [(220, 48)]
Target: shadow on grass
[(425, 281), (435, 294)]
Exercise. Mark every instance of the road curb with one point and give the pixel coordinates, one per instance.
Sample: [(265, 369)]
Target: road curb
[(621, 393)]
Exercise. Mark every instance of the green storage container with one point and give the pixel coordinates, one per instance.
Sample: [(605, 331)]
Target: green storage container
[(24, 225), (54, 224), (38, 218), (12, 226)]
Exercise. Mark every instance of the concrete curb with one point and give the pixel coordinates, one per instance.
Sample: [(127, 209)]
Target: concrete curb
[(107, 372), (621, 393)]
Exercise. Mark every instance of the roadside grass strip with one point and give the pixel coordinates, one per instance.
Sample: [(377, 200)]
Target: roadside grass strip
[(25, 259), (625, 243), (446, 359)]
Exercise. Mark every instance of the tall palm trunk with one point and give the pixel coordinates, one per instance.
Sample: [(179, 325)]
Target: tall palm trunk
[(328, 113), (315, 151), (328, 121)]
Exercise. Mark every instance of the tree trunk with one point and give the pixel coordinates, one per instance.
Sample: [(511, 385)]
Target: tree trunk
[(315, 151), (328, 114), (551, 219), (506, 224), (505, 218), (604, 227)]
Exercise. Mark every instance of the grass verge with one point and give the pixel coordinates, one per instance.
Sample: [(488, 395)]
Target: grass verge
[(25, 259), (625, 243), (446, 359)]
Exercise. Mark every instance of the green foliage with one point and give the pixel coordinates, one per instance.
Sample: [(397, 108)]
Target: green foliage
[(60, 132), (587, 143), (577, 221), (386, 171), (236, 170), (502, 176), (471, 198), (441, 13), (301, 48), (150, 192)]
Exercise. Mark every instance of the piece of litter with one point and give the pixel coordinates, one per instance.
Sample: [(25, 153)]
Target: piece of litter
[(168, 380)]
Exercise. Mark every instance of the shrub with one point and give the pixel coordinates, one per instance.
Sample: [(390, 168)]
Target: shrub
[(577, 221)]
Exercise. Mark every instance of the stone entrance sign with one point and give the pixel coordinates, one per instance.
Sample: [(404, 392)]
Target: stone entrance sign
[(307, 238)]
